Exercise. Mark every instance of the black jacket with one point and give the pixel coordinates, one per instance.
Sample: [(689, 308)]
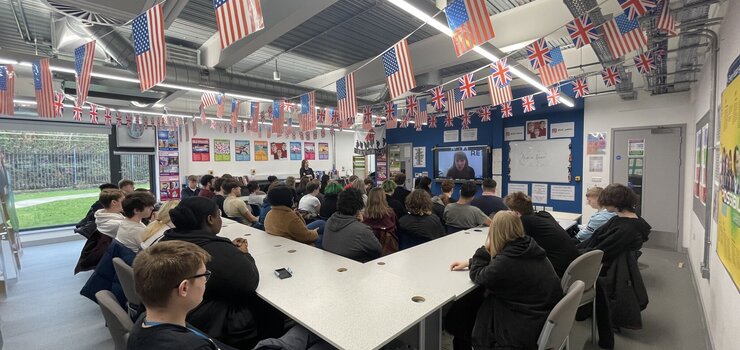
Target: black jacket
[(306, 172), (328, 206), (400, 195), (490, 205), (219, 199), (230, 311), (552, 238), (616, 236), (187, 192), (426, 226), (398, 207), (521, 290), (168, 336)]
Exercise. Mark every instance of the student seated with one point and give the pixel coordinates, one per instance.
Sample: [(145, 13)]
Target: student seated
[(218, 193), (346, 235), (382, 220), (389, 186), (600, 217), (290, 183), (231, 311), (125, 185), (191, 190), (359, 185), (424, 183), (107, 221), (86, 226), (309, 203), (324, 181), (156, 228), (283, 221), (206, 186), (256, 196), (489, 202), (234, 207), (521, 287), (545, 230), (136, 206), (330, 200), (400, 192), (301, 188), (420, 225), (440, 202), (461, 215), (156, 271)]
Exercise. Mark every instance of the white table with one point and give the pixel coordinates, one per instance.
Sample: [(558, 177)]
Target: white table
[(259, 241), (566, 224), (565, 216)]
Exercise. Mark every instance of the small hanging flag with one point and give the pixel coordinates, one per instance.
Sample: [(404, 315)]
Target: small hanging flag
[(93, 113), (485, 113), (553, 96), (528, 103), (77, 115), (107, 116), (506, 111), (466, 120)]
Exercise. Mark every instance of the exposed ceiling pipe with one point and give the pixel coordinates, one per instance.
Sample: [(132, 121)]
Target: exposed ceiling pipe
[(17, 22)]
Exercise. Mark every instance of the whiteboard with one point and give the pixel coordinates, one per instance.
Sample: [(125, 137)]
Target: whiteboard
[(540, 161)]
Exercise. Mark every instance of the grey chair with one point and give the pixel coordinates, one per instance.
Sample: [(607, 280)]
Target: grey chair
[(119, 324), (559, 322), (125, 275), (585, 268)]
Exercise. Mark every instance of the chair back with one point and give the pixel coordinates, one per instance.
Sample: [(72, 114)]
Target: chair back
[(125, 275), (584, 268), (119, 324), (560, 320), (255, 209)]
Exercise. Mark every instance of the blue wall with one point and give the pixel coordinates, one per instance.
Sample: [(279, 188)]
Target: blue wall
[(492, 134)]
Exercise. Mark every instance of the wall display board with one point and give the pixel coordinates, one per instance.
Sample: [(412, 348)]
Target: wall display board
[(169, 164), (540, 161)]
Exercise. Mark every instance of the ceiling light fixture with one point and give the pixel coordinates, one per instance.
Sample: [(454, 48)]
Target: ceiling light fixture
[(276, 73), (444, 29)]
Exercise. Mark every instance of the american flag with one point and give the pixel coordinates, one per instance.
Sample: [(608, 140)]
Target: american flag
[(438, 98), (538, 53), (636, 8), (499, 95), (347, 102), (278, 116), (149, 47), (398, 71), (390, 115), (367, 117), (582, 30), (485, 113), (209, 99), (506, 111), (202, 114), (553, 96), (422, 116), (555, 71), (220, 103), (466, 84), (308, 108), (665, 22), (455, 105), (469, 23), (645, 63), (84, 57), (528, 103), (580, 87), (42, 86), (611, 76), (411, 105), (500, 73), (7, 89), (235, 106), (58, 103), (623, 35), (93, 113), (235, 19)]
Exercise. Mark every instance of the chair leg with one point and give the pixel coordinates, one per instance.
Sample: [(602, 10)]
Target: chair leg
[(593, 321)]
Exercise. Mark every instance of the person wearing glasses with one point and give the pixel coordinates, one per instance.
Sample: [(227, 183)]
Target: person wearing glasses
[(230, 311), (171, 278)]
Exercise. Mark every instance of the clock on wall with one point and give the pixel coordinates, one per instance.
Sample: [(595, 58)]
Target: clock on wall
[(136, 131)]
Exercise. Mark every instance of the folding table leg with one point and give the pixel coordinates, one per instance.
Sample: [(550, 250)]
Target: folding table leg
[(430, 331)]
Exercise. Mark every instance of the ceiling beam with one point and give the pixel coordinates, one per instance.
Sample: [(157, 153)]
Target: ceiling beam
[(171, 10), (279, 16)]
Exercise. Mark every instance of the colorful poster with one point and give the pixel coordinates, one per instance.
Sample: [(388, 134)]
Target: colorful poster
[(309, 148), (636, 147), (242, 150), (295, 151), (536, 130), (323, 151), (596, 143), (169, 164), (221, 150), (278, 150), (728, 216), (260, 150), (419, 156), (201, 150)]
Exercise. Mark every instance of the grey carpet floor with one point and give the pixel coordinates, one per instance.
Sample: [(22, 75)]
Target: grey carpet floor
[(44, 310)]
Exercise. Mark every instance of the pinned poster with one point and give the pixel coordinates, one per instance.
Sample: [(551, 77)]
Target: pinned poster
[(558, 130), (517, 188), (222, 150), (539, 193), (514, 133), (596, 143), (201, 150), (296, 151), (419, 156), (451, 136), (323, 151), (496, 166), (169, 164), (242, 150), (309, 150), (260, 151), (563, 193), (636, 147), (279, 150)]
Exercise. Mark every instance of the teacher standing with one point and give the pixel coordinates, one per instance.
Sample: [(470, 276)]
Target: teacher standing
[(306, 171)]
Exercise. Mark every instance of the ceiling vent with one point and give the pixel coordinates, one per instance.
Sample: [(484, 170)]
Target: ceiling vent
[(85, 16)]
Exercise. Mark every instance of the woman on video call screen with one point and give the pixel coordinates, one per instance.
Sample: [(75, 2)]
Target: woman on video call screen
[(460, 168)]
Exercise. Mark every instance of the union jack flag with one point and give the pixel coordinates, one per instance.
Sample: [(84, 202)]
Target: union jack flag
[(149, 47), (107, 116), (7, 90), (500, 73), (466, 120), (636, 8), (432, 121), (485, 113), (528, 103), (582, 30), (538, 53), (58, 103), (506, 111), (553, 96), (449, 121), (84, 56), (411, 105), (202, 114), (438, 98), (645, 63), (42, 86), (77, 112), (390, 115), (405, 121), (580, 87), (466, 86), (611, 76), (367, 116), (555, 71), (455, 105), (119, 120), (236, 19), (469, 23), (93, 113)]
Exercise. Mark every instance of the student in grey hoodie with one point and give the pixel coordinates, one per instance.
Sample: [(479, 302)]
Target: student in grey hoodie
[(346, 235)]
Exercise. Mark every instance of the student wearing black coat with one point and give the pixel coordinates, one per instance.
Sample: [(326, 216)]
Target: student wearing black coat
[(231, 311), (420, 225), (400, 192), (521, 287), (545, 230)]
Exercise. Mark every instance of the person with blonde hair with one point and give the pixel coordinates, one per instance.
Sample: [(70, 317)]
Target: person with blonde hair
[(521, 287), (382, 220), (600, 217), (155, 230), (359, 185)]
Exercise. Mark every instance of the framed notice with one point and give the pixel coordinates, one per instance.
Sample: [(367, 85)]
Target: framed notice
[(419, 157), (201, 150), (558, 130), (469, 134), (515, 133), (537, 129), (451, 135)]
